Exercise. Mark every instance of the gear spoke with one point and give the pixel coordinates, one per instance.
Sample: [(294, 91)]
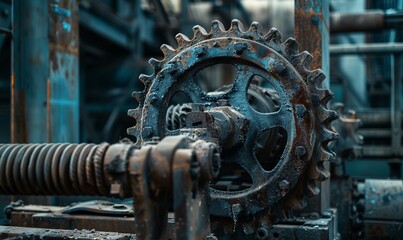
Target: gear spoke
[(243, 77), (248, 162), (282, 118), (193, 91)]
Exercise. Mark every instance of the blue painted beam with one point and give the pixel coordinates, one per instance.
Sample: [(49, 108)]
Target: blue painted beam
[(45, 84), (29, 71), (63, 84)]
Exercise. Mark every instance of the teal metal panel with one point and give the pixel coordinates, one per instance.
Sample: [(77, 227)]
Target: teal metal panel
[(45, 83), (30, 71)]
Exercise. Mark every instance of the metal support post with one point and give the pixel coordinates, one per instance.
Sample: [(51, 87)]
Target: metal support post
[(396, 115), (312, 34), (45, 71)]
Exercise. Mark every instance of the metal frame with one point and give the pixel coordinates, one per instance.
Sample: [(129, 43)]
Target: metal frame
[(394, 151)]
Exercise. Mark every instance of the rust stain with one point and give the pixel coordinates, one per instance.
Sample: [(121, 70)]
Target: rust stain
[(48, 96), (13, 108), (308, 33), (63, 33), (18, 113)]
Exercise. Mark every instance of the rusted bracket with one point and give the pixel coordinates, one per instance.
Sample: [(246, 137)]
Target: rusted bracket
[(173, 174)]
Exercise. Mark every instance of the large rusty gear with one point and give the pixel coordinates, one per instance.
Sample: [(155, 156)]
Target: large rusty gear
[(303, 113)]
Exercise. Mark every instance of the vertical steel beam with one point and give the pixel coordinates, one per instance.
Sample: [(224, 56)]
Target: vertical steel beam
[(45, 71), (396, 115), (30, 59), (312, 33), (63, 82)]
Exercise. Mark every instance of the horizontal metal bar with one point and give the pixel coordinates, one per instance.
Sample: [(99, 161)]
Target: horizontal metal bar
[(377, 151), (357, 22), (106, 28), (371, 20), (5, 31), (370, 48), (375, 133)]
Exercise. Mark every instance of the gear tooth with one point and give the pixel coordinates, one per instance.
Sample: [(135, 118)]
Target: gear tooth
[(217, 26), (135, 113), (326, 116), (312, 188), (131, 112), (236, 25), (306, 59), (323, 171), (131, 131), (329, 135), (139, 96), (199, 32), (273, 35), (331, 115), (325, 95), (182, 40), (167, 50), (291, 46), (257, 28), (145, 78), (156, 64), (316, 77)]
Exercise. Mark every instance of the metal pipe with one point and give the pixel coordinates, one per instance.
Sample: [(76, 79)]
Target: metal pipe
[(356, 22), (373, 20), (369, 48)]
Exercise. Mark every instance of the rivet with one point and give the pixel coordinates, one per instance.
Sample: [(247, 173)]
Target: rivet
[(284, 185), (300, 151)]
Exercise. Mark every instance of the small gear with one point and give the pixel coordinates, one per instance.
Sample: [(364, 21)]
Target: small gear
[(303, 114), (349, 143)]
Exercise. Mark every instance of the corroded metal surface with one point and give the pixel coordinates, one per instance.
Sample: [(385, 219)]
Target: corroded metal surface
[(303, 113), (43, 233), (376, 209), (45, 87), (348, 145), (170, 175)]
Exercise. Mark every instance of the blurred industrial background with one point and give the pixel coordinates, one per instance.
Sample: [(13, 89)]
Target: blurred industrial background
[(68, 69)]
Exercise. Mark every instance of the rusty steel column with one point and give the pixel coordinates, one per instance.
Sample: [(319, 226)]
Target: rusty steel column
[(29, 71), (312, 31), (45, 89), (312, 34)]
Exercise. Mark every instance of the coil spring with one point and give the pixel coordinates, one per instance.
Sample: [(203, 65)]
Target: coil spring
[(176, 116), (52, 169)]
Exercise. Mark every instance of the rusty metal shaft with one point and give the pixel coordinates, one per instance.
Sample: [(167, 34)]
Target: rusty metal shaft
[(54, 169)]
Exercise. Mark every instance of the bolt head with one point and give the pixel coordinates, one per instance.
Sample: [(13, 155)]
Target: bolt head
[(300, 151), (284, 185)]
